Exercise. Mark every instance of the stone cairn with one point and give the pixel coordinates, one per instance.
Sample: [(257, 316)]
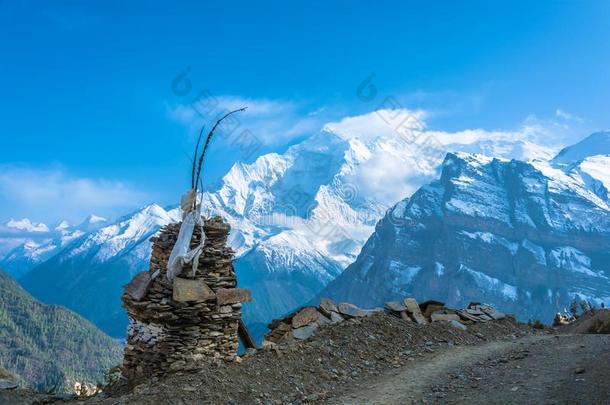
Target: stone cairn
[(182, 324), (304, 322)]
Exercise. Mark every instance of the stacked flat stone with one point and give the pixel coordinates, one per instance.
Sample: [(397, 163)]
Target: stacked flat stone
[(182, 324), (304, 322)]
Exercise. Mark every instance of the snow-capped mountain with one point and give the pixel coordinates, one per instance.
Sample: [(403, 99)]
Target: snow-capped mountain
[(593, 145), (27, 244), (590, 157), (91, 223), (15, 233), (297, 219), (33, 243), (528, 237), (87, 275)]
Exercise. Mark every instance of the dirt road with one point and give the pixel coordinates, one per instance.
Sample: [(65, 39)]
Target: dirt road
[(562, 369)]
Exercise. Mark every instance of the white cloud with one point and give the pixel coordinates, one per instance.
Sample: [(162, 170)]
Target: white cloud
[(559, 113), (52, 194), (388, 170), (389, 178), (384, 123), (272, 122), (532, 138), (398, 165), (543, 132)]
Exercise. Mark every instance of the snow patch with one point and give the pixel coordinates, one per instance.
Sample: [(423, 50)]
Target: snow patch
[(403, 273), (439, 269), (491, 284), (491, 239), (597, 167), (572, 259), (537, 251)]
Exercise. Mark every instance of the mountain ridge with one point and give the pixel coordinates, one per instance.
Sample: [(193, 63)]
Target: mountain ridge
[(597, 143)]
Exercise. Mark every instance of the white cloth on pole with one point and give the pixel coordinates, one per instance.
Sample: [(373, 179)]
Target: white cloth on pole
[(181, 253)]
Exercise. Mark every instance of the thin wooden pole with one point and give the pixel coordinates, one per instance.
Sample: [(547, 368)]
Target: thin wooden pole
[(245, 336)]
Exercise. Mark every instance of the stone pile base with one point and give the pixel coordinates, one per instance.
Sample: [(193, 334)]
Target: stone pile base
[(182, 324)]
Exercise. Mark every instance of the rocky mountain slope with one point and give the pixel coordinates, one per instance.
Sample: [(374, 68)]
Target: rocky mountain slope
[(297, 218), (526, 237), (49, 347)]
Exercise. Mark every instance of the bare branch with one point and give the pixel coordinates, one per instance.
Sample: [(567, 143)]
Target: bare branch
[(195, 157), (209, 138)]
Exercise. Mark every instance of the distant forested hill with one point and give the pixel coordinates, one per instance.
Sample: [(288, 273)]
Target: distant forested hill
[(48, 346)]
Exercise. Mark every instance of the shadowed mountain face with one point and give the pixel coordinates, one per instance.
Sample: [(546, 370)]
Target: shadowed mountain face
[(528, 238)]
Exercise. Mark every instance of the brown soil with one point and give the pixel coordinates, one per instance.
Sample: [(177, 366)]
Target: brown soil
[(590, 322), (335, 361), (561, 369), (6, 375)]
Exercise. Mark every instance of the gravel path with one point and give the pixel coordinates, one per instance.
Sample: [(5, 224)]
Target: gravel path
[(562, 369)]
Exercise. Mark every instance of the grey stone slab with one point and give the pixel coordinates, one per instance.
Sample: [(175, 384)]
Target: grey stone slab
[(304, 332), (191, 290), (395, 306)]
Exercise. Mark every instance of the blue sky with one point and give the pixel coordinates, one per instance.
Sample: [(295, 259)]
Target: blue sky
[(91, 120)]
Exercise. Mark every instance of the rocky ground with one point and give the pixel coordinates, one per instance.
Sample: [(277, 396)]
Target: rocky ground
[(556, 369), (335, 361), (384, 359), (597, 321)]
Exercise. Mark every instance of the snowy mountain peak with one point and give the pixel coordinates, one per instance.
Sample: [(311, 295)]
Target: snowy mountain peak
[(597, 167), (62, 226), (92, 222), (93, 219), (109, 241), (594, 145), (471, 159), (520, 194), (31, 244), (26, 225), (150, 210)]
